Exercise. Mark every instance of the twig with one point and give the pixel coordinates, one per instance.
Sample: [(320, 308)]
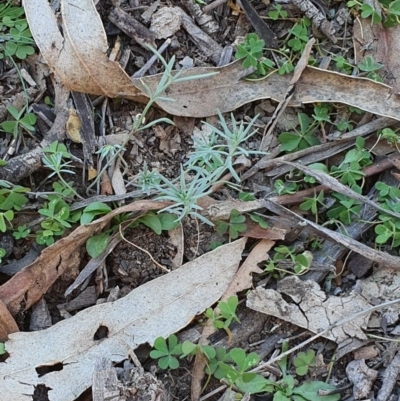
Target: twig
[(213, 5), (389, 379), (301, 65), (151, 61)]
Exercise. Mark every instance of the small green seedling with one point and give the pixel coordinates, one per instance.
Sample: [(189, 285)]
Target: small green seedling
[(2, 254), (5, 220), (370, 66), (21, 232), (58, 217), (388, 230), (14, 32), (190, 349), (223, 315), (299, 35), (166, 352), (213, 365), (303, 361), (391, 137), (2, 349), (302, 139), (300, 262), (313, 204), (283, 188), (25, 122), (259, 220), (345, 209), (342, 65), (246, 197), (238, 374), (234, 226), (11, 196), (251, 51), (277, 12)]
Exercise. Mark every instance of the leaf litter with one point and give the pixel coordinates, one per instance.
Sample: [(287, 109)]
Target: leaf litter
[(77, 55)]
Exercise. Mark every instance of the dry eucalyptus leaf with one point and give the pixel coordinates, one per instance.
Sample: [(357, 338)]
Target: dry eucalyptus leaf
[(78, 56), (157, 308), (79, 59), (385, 49), (310, 308)]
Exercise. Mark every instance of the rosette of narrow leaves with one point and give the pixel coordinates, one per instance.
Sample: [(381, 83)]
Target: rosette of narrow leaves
[(232, 138), (185, 196)]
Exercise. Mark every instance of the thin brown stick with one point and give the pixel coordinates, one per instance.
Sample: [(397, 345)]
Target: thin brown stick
[(213, 5), (299, 196), (301, 65)]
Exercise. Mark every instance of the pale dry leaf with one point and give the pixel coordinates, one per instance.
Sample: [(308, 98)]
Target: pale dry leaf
[(243, 278), (78, 56), (157, 308), (383, 45), (310, 308), (228, 90), (79, 60)]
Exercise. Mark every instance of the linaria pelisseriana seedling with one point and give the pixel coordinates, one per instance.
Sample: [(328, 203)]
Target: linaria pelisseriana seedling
[(220, 149), (185, 196), (148, 179), (54, 162), (168, 78)]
